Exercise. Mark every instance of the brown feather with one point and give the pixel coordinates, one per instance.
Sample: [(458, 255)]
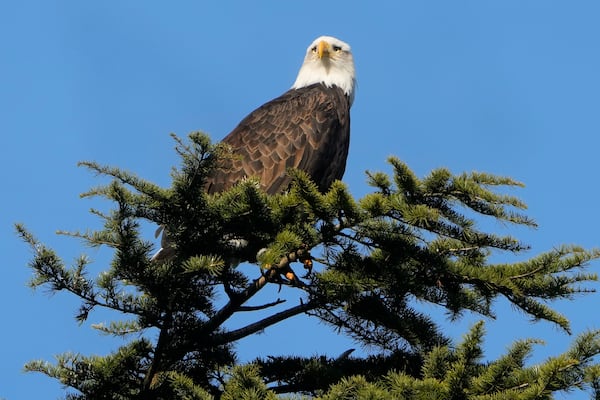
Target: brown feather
[(306, 128)]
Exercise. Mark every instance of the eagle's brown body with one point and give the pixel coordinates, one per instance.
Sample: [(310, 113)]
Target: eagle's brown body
[(306, 128)]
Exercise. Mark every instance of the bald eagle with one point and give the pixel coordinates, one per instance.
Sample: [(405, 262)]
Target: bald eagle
[(307, 127)]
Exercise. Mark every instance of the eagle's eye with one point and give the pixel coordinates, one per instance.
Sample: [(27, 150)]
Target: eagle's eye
[(336, 48), (314, 49)]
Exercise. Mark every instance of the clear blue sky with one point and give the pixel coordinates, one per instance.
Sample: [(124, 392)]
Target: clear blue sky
[(508, 87)]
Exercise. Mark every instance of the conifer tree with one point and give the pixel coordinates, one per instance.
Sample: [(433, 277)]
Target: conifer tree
[(363, 266)]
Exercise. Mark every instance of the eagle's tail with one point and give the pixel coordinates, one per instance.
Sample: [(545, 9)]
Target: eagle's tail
[(166, 251)]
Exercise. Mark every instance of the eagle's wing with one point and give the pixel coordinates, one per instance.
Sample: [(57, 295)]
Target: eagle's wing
[(306, 128)]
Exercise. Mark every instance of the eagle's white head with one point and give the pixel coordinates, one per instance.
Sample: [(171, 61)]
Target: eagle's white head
[(329, 61)]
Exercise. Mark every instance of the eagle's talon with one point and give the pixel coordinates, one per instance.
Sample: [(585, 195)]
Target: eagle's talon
[(290, 275), (308, 266)]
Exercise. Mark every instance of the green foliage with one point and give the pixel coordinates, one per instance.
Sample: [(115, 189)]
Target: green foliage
[(370, 265), (460, 374), (246, 383), (115, 376), (183, 387)]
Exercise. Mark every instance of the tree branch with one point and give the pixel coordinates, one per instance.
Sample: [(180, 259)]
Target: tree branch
[(264, 323), (261, 307), (237, 300)]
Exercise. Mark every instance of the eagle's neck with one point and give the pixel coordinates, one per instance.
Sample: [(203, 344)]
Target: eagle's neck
[(330, 74)]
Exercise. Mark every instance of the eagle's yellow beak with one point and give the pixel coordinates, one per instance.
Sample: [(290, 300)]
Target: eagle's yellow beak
[(323, 49)]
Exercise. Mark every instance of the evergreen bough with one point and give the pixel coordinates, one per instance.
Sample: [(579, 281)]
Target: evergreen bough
[(369, 264)]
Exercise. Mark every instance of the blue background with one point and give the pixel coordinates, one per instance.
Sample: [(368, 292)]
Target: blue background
[(508, 87)]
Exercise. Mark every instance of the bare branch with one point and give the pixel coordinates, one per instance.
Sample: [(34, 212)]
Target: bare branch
[(264, 323), (261, 307), (240, 298)]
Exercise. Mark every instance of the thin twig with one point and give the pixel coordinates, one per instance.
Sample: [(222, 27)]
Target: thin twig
[(261, 307), (528, 273)]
